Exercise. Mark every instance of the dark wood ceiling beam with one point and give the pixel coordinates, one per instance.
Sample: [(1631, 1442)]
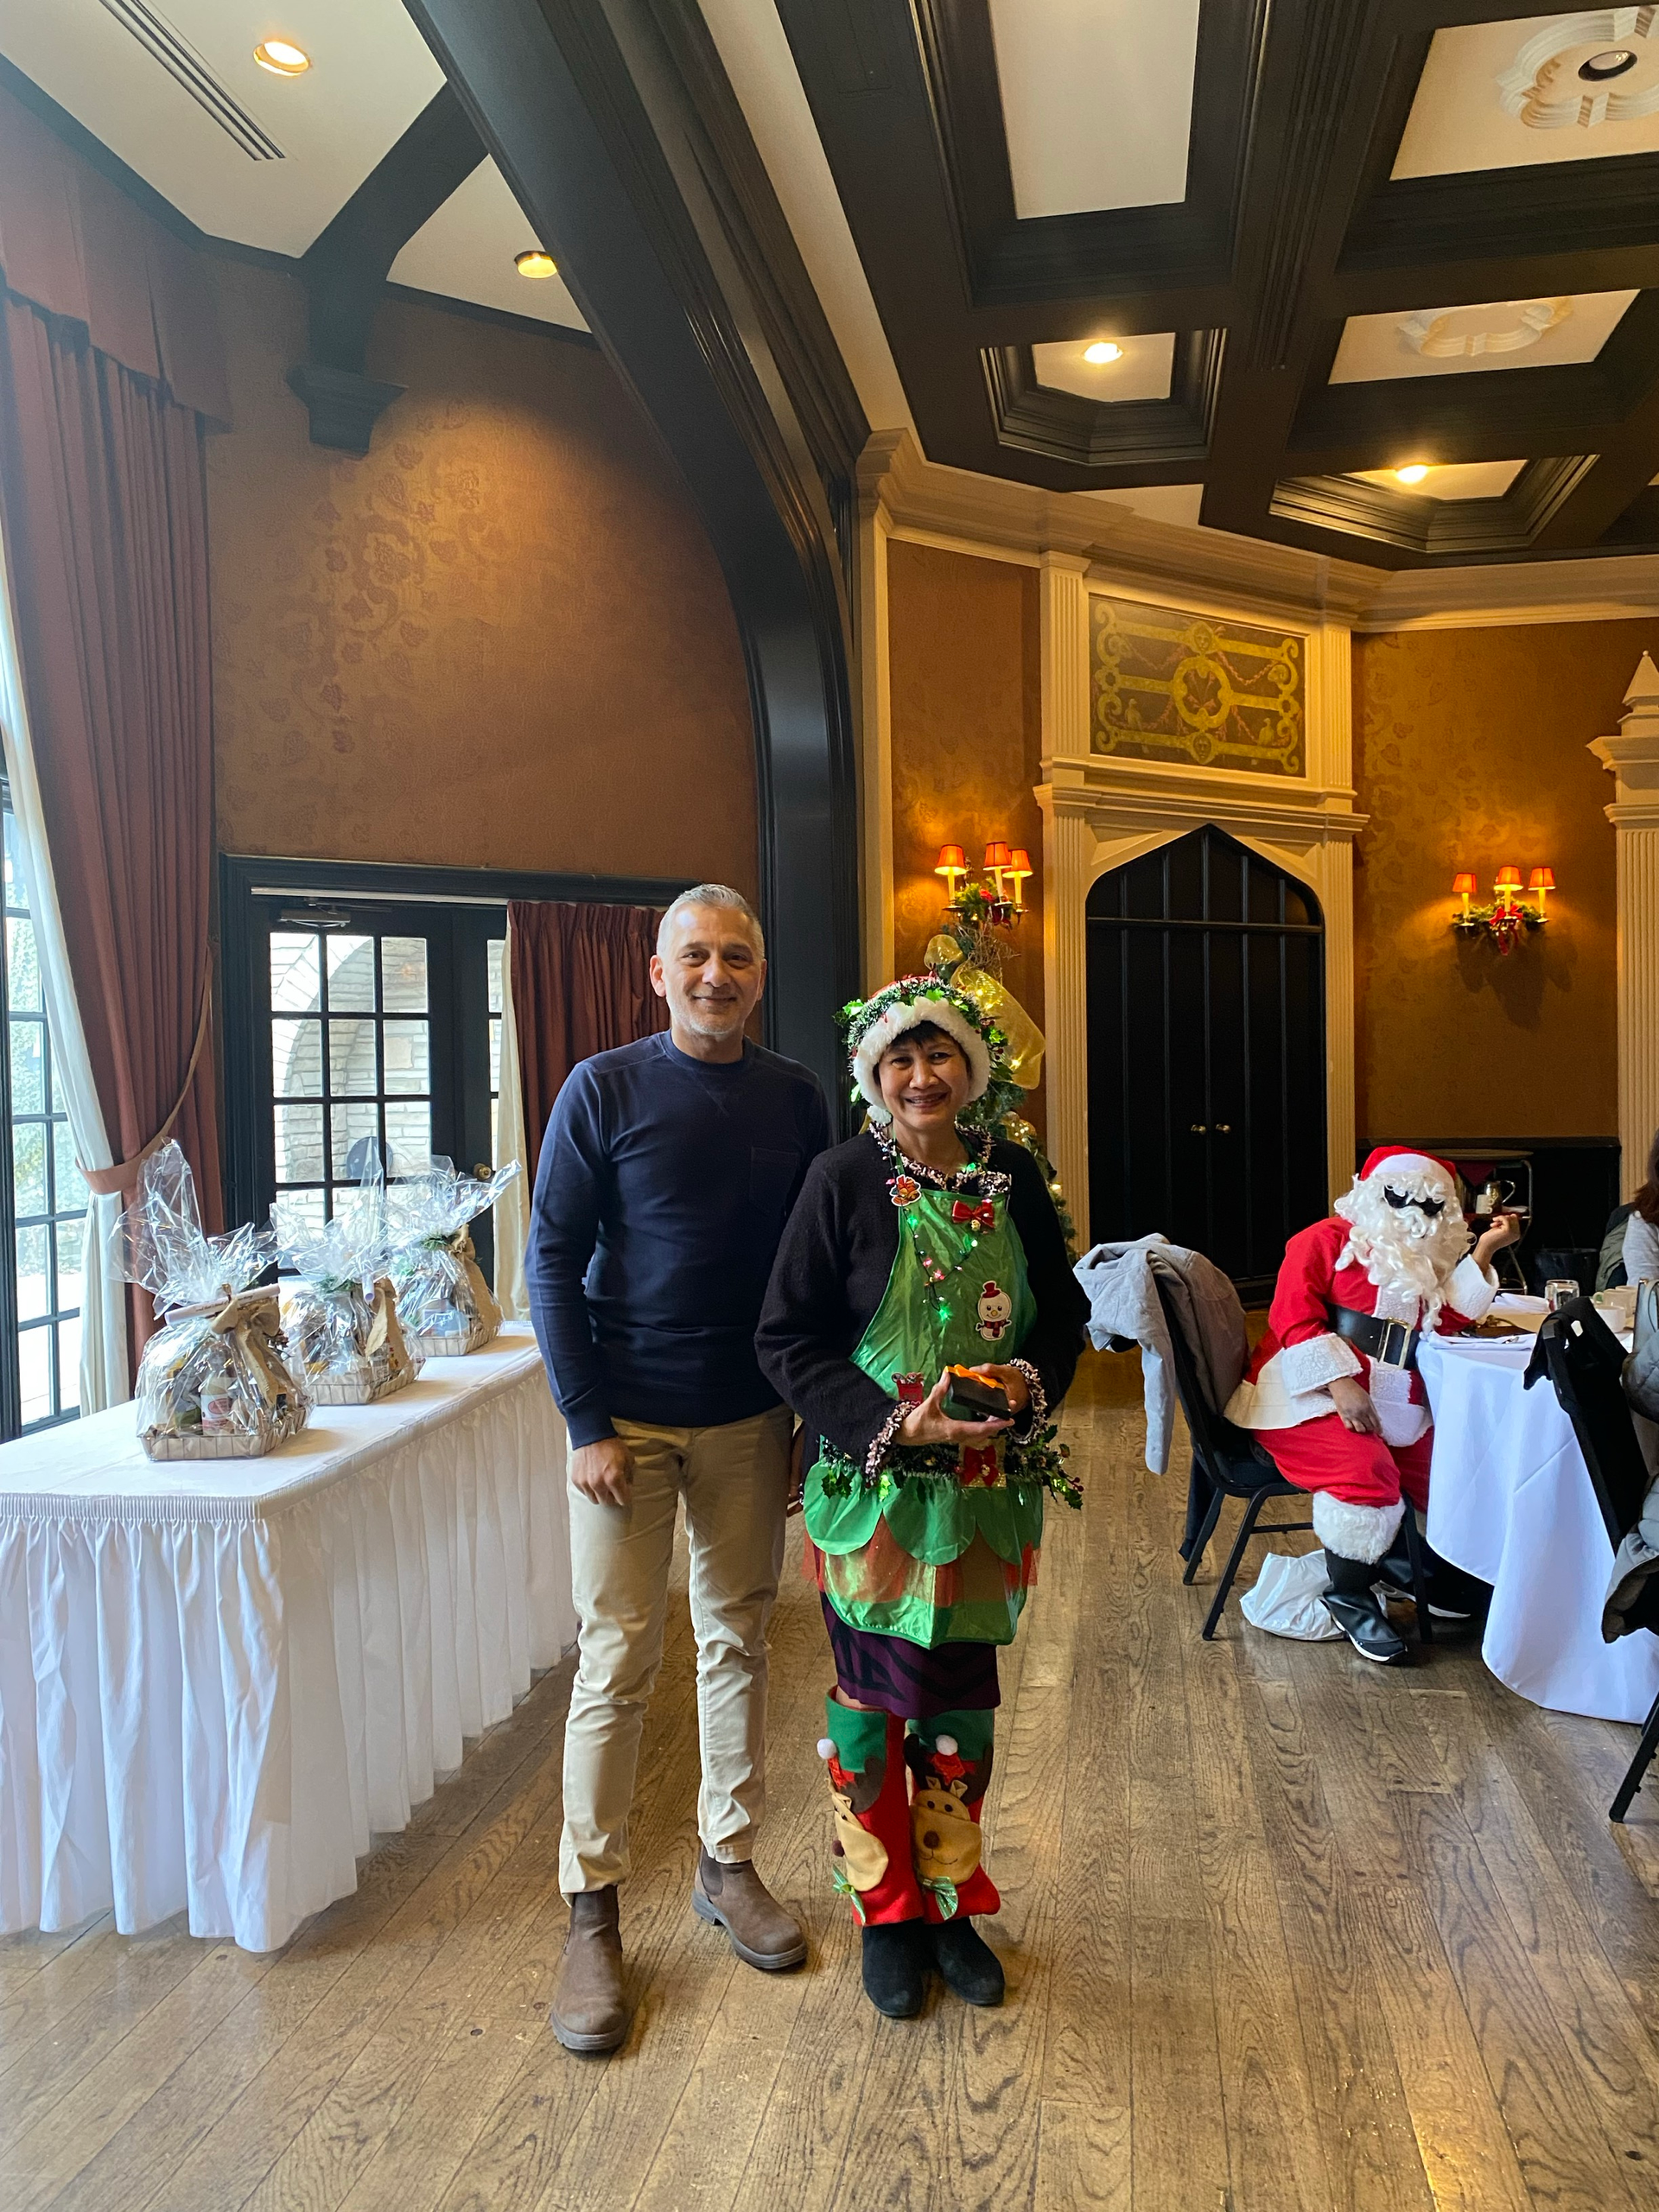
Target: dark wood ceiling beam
[(592, 112), (345, 268), (1322, 62)]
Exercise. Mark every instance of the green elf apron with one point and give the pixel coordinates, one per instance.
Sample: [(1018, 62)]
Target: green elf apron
[(941, 1547)]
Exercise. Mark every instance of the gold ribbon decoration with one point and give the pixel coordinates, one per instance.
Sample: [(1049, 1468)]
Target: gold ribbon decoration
[(1023, 1052)]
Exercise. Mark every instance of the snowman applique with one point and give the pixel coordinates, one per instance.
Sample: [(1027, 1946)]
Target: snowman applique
[(995, 1311)]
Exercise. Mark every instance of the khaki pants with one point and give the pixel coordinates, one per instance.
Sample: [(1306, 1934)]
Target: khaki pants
[(734, 1480)]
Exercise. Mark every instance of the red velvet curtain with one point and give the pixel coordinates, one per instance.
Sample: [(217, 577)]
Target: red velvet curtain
[(581, 978), (104, 504)]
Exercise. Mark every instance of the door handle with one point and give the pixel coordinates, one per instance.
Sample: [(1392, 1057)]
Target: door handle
[(1223, 1129), (1199, 1128)]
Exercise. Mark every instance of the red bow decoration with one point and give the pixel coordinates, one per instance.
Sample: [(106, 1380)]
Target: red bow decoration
[(978, 1465), (984, 1216)]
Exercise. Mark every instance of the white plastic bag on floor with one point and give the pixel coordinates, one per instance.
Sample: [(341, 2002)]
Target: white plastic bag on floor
[(1286, 1598)]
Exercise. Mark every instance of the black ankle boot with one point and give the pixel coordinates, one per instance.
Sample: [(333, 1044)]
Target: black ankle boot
[(895, 1970), (967, 1966), (1353, 1605)]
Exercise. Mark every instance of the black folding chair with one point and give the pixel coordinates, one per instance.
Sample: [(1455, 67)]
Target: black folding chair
[(1236, 1466), (1585, 1362)]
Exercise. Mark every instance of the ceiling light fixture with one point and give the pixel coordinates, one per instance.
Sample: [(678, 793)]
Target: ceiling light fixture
[(534, 263), (1103, 350), (1414, 472), (282, 57), (1617, 61)]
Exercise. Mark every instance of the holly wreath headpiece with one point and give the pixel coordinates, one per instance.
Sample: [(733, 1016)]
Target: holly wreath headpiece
[(871, 1025)]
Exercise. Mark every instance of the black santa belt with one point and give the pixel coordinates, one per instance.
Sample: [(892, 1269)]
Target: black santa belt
[(1391, 1343)]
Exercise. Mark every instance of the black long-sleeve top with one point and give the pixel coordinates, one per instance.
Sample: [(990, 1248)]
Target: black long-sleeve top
[(831, 1272)]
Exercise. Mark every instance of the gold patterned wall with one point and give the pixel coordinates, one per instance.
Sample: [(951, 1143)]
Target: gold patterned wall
[(501, 639), (967, 740), (1469, 752), (1209, 692)]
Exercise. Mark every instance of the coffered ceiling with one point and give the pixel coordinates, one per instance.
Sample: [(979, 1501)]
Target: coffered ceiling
[(1328, 239)]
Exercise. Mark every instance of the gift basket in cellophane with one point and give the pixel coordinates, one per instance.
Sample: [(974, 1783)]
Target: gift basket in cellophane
[(212, 1381), (340, 1316), (445, 1304)]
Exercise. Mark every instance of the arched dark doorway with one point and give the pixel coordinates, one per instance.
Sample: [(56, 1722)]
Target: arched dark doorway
[(1207, 1054)]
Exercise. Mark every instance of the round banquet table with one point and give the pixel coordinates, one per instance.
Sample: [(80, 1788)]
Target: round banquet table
[(221, 1679), (1510, 1500)]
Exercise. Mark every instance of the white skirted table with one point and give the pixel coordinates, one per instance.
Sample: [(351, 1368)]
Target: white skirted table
[(219, 1679), (1509, 1500)]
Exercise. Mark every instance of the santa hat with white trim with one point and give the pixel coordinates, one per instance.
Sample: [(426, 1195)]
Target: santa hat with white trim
[(1406, 1159), (900, 1006)]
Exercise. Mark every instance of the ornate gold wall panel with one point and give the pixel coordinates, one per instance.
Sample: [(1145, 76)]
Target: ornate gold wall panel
[(1205, 691)]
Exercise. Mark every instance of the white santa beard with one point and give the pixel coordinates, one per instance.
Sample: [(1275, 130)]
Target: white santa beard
[(1402, 1264)]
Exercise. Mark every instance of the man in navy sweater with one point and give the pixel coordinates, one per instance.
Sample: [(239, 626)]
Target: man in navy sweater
[(667, 1172)]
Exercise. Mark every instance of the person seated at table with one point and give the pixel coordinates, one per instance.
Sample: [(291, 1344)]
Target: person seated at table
[(1641, 1252), (1332, 1390)]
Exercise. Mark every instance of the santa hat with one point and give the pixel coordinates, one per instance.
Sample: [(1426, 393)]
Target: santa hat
[(904, 1005), (1405, 1160)]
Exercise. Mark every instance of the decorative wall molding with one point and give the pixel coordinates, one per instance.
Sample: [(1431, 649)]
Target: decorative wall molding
[(1632, 757), (871, 645), (997, 521)]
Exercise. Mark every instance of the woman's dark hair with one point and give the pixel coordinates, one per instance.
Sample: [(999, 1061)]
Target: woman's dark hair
[(924, 1033), (1647, 1198)]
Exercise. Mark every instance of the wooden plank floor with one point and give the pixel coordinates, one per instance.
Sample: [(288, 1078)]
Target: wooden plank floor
[(1283, 1934)]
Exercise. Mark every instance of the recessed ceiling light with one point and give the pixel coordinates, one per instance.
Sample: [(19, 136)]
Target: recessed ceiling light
[(534, 263), (1413, 474), (1102, 352), (282, 57), (1616, 62)]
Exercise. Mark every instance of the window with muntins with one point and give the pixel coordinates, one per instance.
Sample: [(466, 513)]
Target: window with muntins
[(43, 1194)]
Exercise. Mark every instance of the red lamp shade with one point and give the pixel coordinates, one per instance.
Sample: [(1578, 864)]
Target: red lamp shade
[(996, 855), (1463, 886), (1541, 878), (1020, 862), (1508, 879), (951, 859)]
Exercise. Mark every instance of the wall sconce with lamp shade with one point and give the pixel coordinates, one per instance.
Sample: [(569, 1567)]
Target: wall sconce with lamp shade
[(1001, 898), (1505, 918)]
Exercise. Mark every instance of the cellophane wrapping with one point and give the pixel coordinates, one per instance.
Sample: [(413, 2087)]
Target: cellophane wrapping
[(212, 1381), (445, 1305), (339, 1314)]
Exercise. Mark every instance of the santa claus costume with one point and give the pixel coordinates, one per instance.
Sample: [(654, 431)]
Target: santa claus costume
[(1354, 1295)]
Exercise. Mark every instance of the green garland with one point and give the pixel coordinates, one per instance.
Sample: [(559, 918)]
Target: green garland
[(1039, 1462)]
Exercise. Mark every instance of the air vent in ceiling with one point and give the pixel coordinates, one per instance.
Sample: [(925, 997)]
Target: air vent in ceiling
[(186, 68)]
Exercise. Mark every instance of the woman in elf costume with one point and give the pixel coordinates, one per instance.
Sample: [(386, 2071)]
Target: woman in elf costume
[(919, 1247)]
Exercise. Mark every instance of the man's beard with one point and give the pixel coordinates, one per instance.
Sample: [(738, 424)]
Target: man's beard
[(1401, 1250)]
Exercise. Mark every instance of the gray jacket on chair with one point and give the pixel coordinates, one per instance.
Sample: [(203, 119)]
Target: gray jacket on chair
[(1637, 1560), (1124, 1304)]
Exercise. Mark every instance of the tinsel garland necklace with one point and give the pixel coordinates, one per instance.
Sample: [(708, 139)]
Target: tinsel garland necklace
[(974, 1214)]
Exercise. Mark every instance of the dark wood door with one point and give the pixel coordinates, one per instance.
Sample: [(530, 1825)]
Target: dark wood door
[(1207, 1054)]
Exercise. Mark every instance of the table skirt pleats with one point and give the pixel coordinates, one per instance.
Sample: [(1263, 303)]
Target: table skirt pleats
[(217, 1719)]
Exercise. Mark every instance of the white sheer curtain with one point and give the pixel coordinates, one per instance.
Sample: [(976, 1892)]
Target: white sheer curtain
[(103, 1297), (512, 1207)]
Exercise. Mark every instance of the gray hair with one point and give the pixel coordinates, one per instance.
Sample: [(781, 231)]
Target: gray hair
[(714, 894)]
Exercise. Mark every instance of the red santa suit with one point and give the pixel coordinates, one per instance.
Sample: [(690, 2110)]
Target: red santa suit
[(1358, 1480)]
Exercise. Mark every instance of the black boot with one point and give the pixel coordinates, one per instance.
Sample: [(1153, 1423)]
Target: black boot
[(1353, 1605), (1453, 1595), (967, 1966), (895, 1967)]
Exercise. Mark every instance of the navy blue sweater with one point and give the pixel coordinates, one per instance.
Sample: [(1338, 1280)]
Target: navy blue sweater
[(662, 1190)]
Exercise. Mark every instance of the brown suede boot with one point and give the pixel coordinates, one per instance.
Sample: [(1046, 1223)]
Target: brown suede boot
[(735, 1898), (589, 2011)]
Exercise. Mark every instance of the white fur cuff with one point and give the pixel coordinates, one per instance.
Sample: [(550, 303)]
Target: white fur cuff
[(1362, 1532), (1310, 1366), (1472, 1289)]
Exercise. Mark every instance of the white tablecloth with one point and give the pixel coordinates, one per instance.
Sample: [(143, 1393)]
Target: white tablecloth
[(220, 1679), (1509, 1499)]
